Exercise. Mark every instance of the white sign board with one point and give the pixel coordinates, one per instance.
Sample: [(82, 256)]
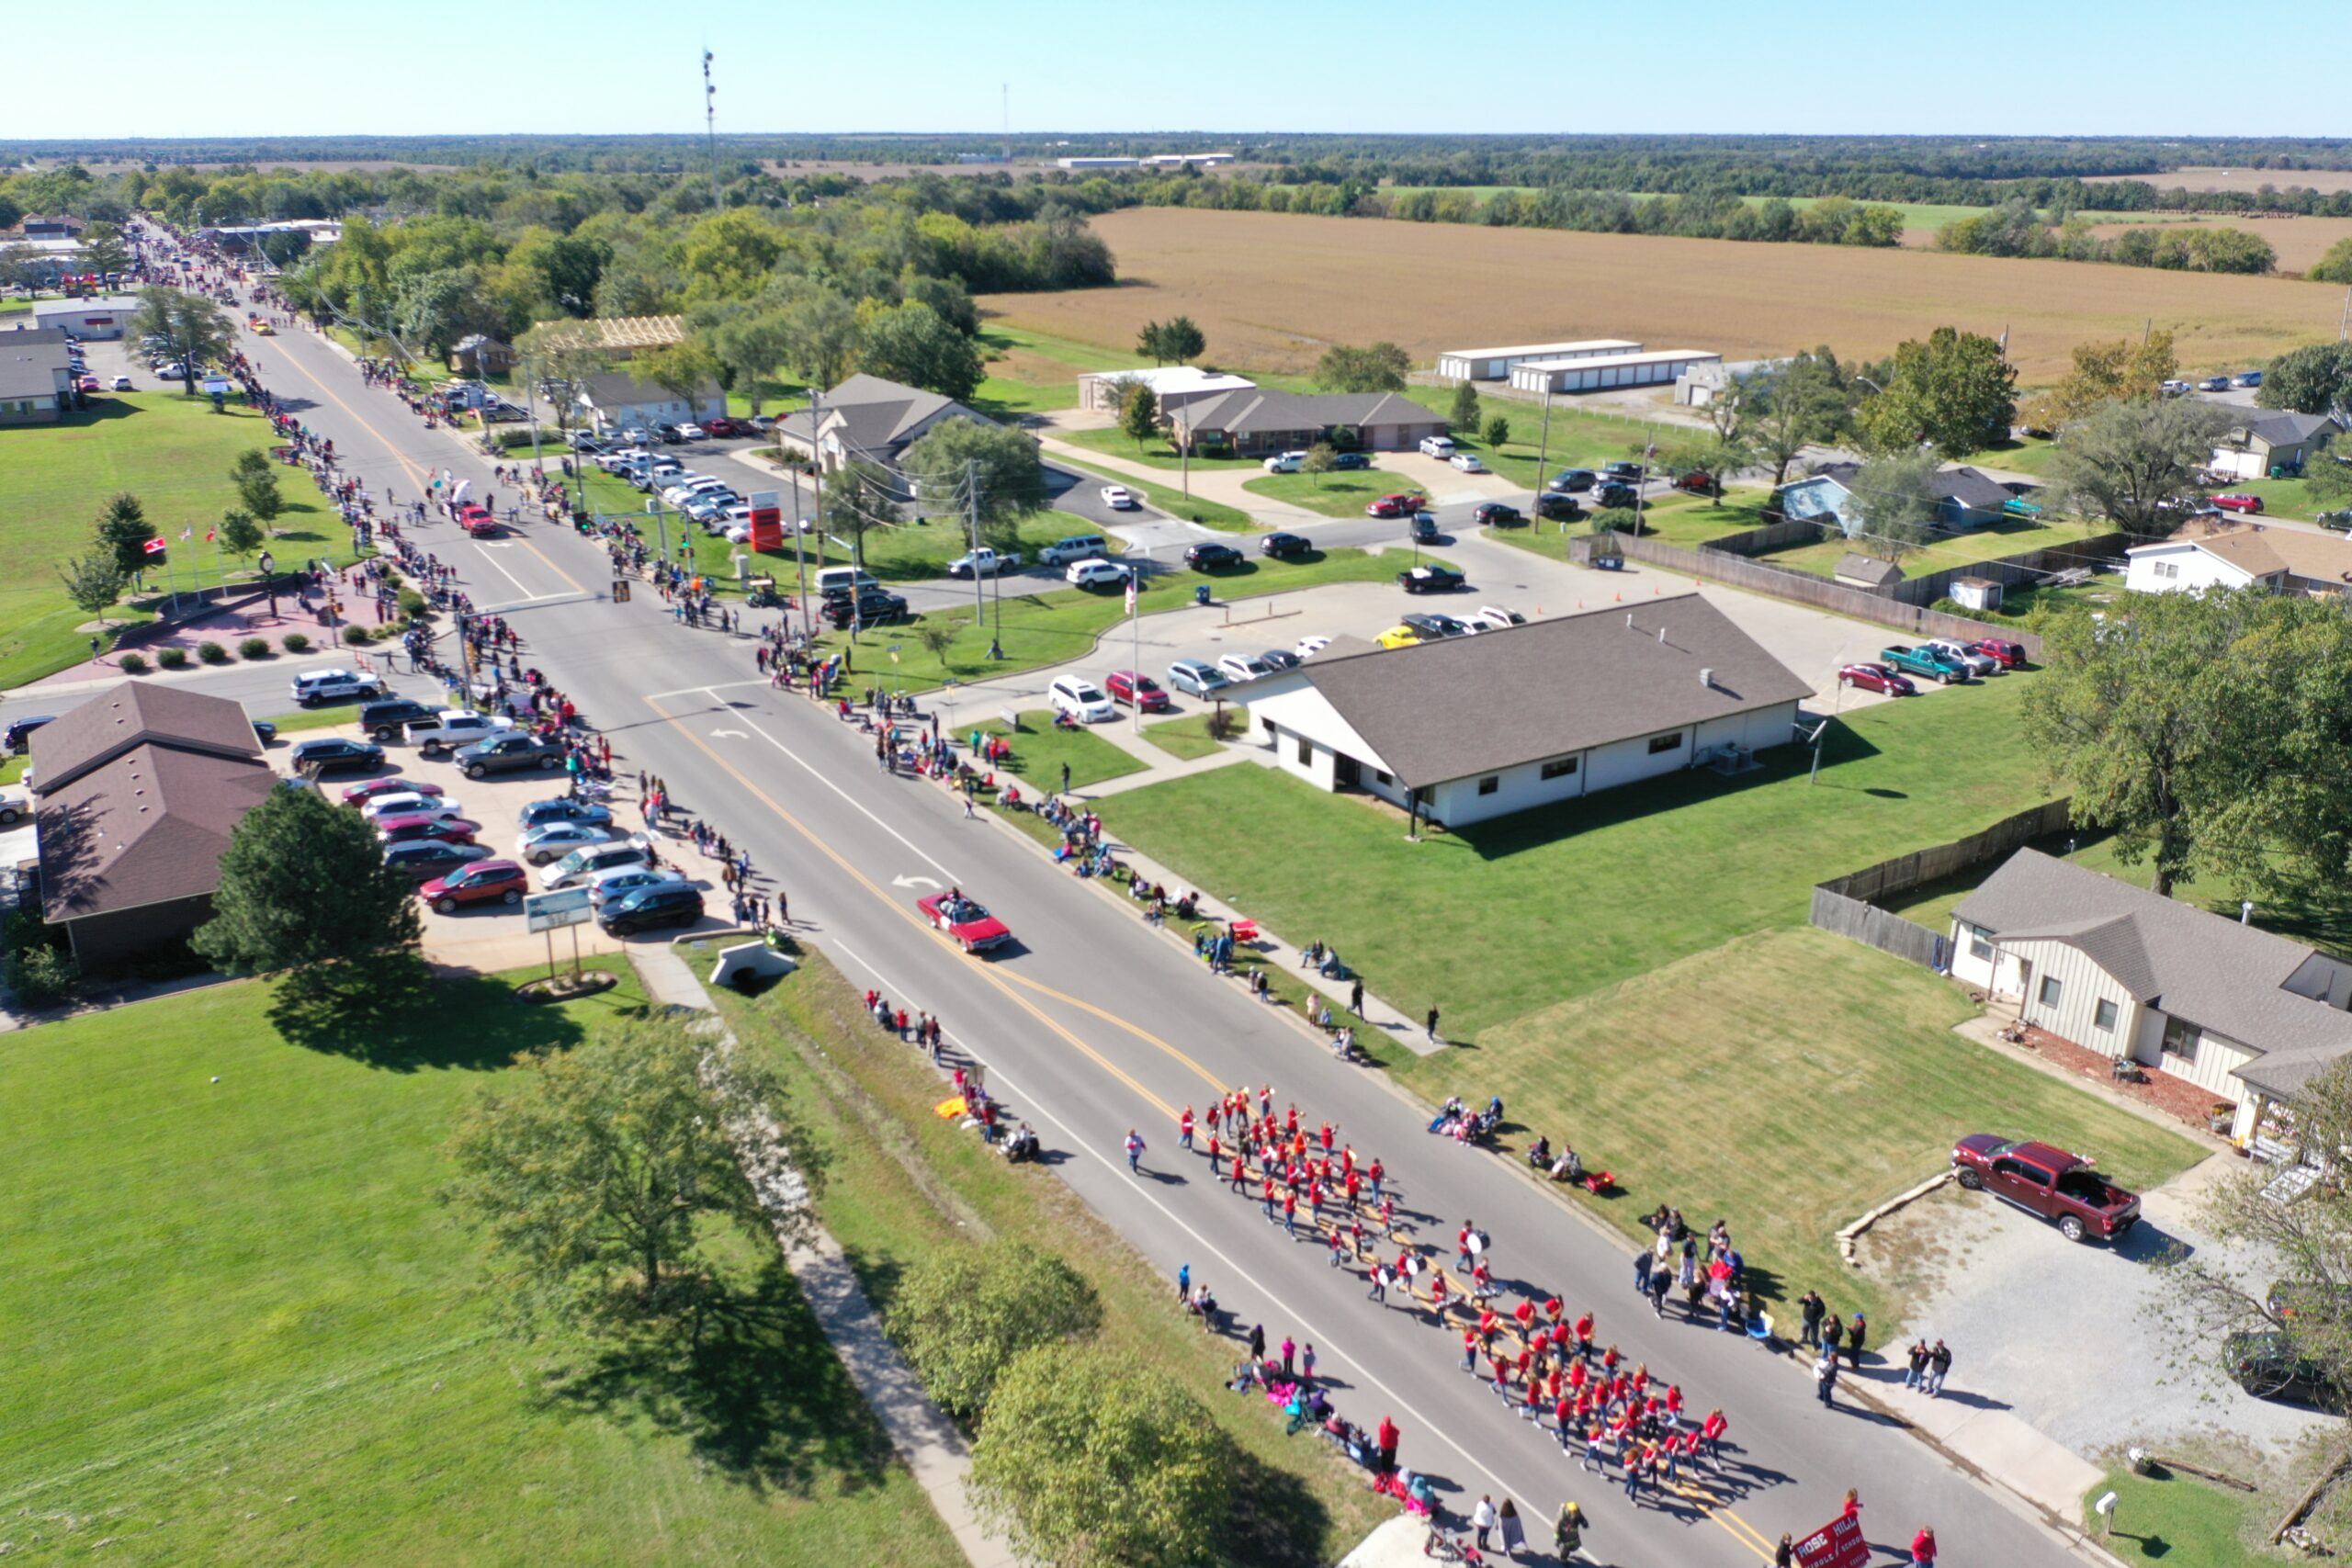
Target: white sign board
[(767, 499), (551, 912)]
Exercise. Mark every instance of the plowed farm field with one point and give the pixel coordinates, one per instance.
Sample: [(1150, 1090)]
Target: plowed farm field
[(1272, 290)]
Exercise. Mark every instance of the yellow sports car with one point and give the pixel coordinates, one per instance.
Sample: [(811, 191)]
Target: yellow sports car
[(265, 329), (1399, 636)]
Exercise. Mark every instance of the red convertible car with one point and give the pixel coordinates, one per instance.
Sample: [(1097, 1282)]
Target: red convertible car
[(973, 928), (1877, 678)]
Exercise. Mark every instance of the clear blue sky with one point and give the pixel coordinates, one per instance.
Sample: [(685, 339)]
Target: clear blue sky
[(319, 67)]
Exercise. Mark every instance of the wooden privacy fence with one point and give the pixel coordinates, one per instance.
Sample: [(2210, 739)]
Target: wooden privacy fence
[(1848, 904), (2033, 566), (1803, 587)]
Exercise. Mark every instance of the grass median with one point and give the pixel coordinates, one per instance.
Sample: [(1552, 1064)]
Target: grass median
[(262, 1341)]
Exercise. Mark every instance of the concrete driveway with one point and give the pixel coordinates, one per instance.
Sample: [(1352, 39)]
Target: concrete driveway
[(2065, 1336)]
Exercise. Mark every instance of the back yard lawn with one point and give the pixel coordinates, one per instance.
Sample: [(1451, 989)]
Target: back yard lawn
[(261, 1340), (1506, 917), (2009, 538), (1703, 1083), (171, 452)]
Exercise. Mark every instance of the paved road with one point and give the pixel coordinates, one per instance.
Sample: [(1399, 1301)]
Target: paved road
[(1094, 1024)]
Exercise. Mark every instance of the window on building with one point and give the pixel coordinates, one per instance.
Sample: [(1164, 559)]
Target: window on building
[(1560, 768), (2181, 1037), (1980, 943), (2103, 1016), (1666, 743), (1383, 777), (1490, 784), (1306, 751), (2050, 992)]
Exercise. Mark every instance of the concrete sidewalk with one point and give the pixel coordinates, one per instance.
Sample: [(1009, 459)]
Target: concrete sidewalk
[(924, 1438)]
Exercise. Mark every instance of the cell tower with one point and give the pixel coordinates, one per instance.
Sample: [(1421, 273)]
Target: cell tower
[(710, 125)]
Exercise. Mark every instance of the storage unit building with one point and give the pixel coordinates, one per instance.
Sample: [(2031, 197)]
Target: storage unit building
[(1603, 372), (1494, 363)]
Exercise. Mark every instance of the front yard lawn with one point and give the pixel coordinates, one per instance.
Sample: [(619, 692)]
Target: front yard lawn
[(1343, 494), (1186, 738), (1113, 442), (1039, 750), (1709, 1084), (1502, 918)]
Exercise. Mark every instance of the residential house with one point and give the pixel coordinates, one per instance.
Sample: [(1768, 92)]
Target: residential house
[(1257, 421), (1173, 386), (2270, 442), (616, 400), (2285, 560), (1471, 728), (870, 418), (135, 796), (47, 226), (1965, 498), (35, 377), (2132, 975), (477, 354)]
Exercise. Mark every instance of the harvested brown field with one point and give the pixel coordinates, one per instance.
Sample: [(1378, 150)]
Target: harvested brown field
[(2239, 179), (1272, 291), (2299, 241)]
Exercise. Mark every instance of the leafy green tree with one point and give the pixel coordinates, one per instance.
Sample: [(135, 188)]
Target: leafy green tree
[(858, 496), (103, 250), (685, 370), (1804, 403), (192, 329), (1896, 506), (1139, 414), (1153, 340), (123, 532), (911, 343), (749, 345), (239, 534), (1321, 459), (1089, 1461), (2131, 461), (1497, 431), (1463, 414), (2329, 481), (1954, 391), (594, 1172), (1381, 367), (965, 1314), (304, 887), (1721, 456), (1012, 479), (2316, 379), (823, 329), (94, 583), (255, 478), (1183, 340), (2105, 371), (2335, 266)]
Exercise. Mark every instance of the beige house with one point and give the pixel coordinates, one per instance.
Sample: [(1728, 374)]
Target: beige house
[(2278, 439), (2243, 555), (2127, 973)]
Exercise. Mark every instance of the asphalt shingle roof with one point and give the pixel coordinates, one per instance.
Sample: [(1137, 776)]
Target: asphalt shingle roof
[(1257, 410)]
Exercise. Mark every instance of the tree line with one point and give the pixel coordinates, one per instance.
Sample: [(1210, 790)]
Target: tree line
[(2017, 229)]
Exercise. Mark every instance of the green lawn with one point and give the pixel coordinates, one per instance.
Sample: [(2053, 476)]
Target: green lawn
[(1519, 913), (902, 1184), (170, 451), (2178, 1519), (1167, 498), (2009, 538), (1334, 495), (1040, 751), (2028, 454), (261, 1339), (1746, 1044), (1156, 452), (1060, 624), (1032, 372), (1186, 738), (1580, 438)]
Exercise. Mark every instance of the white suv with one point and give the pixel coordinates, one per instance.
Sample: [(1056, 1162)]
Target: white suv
[(1081, 699), (1285, 462), (1437, 446), (335, 686), (1094, 574)]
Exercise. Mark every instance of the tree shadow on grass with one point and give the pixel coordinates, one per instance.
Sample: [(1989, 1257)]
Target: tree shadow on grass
[(1274, 1520), (746, 1379), (391, 1012)]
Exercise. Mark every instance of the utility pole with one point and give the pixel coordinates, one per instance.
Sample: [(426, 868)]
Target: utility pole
[(1544, 461), (710, 125), (979, 607)]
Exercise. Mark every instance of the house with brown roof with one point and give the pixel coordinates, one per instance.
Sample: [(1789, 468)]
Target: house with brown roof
[(2138, 976), (1257, 419), (1471, 728), (2245, 555), (135, 796)]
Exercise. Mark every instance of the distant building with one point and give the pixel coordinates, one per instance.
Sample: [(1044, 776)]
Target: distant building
[(35, 377), (100, 318), (1098, 163), (477, 355), (38, 226), (1868, 572), (614, 337), (135, 796), (616, 400), (1496, 364), (1257, 421), (1181, 160), (1175, 385), (1606, 372), (2285, 560)]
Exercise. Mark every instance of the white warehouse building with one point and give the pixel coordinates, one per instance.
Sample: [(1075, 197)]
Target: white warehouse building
[(1471, 728), (1494, 363), (1606, 371)]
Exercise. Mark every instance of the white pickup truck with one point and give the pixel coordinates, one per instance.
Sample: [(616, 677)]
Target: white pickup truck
[(453, 728), (983, 562)]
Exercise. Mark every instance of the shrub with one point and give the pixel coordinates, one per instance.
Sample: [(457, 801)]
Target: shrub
[(40, 976), (1223, 724), (412, 604), (255, 647), (212, 653), (296, 642), (964, 1314), (133, 664), (356, 635), (172, 657)]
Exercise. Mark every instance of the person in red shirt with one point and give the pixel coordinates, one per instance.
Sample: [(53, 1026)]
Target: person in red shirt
[(1355, 1187), (1584, 1334), (1326, 1137), (1470, 1348), (1387, 1439), (1923, 1548), (1388, 1215), (1374, 1173), (1184, 1128), (1609, 1360), (1713, 1428), (1525, 1314)]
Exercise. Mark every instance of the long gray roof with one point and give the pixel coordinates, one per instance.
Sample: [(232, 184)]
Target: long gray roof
[(878, 417), (1257, 410), (30, 362), (2284, 427), (2184, 960), (1449, 709)]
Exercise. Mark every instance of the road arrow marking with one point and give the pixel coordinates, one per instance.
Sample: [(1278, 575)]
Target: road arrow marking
[(912, 881), (738, 734)]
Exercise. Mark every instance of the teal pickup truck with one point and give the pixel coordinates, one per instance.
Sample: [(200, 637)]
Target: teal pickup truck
[(1934, 663)]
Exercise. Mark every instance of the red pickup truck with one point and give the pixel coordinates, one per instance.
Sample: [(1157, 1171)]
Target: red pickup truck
[(2047, 1182)]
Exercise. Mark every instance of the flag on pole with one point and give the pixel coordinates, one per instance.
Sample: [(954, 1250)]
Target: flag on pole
[(209, 534), (154, 547), (188, 533), (1131, 592)]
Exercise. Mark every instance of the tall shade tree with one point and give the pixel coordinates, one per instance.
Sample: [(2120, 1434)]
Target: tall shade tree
[(1090, 1460), (1001, 460), (858, 496), (123, 533), (190, 328), (2316, 379), (1804, 403), (964, 1314), (912, 345), (2133, 461), (2335, 266), (593, 1171), (103, 250), (1182, 340), (685, 370), (1379, 368), (1896, 506), (823, 329), (304, 887), (1953, 391), (750, 344), (2104, 372), (1139, 414)]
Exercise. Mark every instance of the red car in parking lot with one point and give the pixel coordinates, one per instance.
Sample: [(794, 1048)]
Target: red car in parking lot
[(2009, 655), (1402, 504), (1877, 678), (1141, 691), (362, 793), (2249, 504), (401, 829), (483, 881), (725, 426)]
